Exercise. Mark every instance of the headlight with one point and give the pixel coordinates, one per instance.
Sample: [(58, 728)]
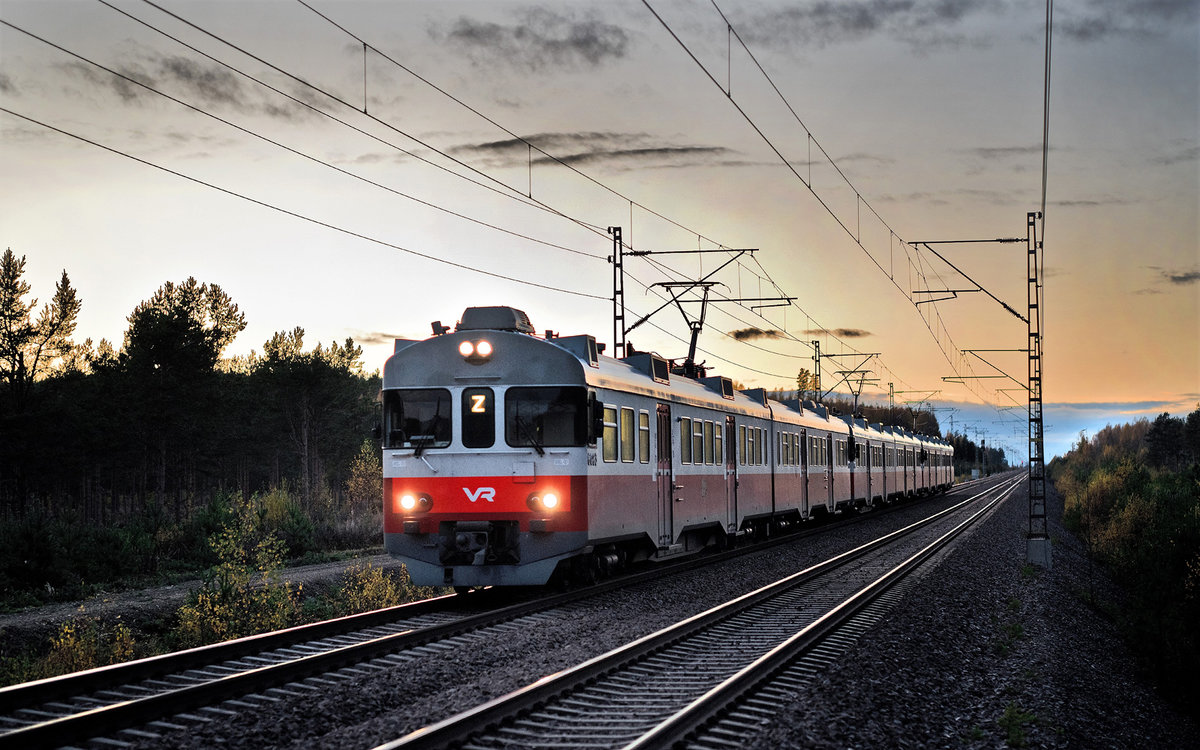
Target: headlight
[(410, 502), (476, 352), (542, 502)]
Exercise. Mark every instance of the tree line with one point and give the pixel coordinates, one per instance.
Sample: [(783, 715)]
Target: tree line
[(154, 432), (1132, 495)]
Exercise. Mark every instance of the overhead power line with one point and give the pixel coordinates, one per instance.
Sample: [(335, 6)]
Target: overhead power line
[(957, 363), (367, 45), (296, 214)]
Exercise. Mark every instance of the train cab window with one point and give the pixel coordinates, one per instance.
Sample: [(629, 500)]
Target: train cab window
[(644, 437), (417, 418), (478, 418), (685, 440), (627, 439), (698, 441), (546, 417), (610, 434)]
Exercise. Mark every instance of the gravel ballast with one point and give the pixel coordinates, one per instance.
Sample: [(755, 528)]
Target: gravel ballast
[(985, 652)]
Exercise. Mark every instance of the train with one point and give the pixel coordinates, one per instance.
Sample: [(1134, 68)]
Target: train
[(513, 459)]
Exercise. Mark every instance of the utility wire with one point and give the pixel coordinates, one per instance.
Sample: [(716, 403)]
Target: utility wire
[(856, 237), (1046, 113), (291, 150), (295, 214), (545, 154), (333, 97), (508, 190)]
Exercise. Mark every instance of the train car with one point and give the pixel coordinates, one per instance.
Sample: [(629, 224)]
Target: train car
[(509, 458)]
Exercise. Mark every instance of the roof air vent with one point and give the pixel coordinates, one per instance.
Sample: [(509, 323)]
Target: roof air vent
[(495, 319)]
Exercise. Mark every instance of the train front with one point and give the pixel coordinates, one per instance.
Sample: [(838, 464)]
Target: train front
[(485, 450)]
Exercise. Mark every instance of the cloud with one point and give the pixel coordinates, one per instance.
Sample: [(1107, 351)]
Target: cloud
[(206, 86), (749, 334), (1005, 152), (921, 23), (1171, 278), (6, 84), (373, 338), (844, 333), (540, 39), (592, 148), (1182, 156), (1095, 20), (1181, 278)]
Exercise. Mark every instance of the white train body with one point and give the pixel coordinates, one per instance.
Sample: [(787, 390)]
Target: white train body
[(507, 457)]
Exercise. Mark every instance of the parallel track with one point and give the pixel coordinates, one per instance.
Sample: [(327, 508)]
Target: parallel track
[(660, 689), (119, 698)]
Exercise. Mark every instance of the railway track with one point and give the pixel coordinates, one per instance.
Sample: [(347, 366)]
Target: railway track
[(138, 699), (707, 681)]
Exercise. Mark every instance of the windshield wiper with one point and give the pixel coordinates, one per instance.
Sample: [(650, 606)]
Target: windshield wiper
[(428, 437), (524, 427)]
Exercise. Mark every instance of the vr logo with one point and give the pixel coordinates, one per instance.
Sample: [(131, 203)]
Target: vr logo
[(485, 493)]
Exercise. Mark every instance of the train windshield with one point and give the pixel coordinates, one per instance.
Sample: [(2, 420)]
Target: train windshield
[(418, 418), (544, 417)]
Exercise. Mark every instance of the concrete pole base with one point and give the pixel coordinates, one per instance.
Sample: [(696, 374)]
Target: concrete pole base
[(1038, 552)]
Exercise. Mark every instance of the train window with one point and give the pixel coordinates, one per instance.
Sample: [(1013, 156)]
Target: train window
[(718, 454), (839, 451), (417, 418), (709, 453), (546, 416), (758, 446), (478, 418), (685, 440), (698, 441), (627, 441), (610, 434), (644, 437), (742, 438)]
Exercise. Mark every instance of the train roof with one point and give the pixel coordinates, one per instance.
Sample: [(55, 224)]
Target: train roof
[(518, 356)]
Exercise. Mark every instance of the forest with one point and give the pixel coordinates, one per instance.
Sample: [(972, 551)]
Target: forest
[(1131, 493), (119, 462)]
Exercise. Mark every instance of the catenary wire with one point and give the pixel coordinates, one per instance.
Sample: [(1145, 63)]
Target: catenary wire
[(533, 146), (856, 238), (296, 214), (247, 131), (514, 194)]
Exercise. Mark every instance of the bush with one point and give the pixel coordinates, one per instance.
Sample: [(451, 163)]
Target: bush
[(1143, 524), (243, 593)]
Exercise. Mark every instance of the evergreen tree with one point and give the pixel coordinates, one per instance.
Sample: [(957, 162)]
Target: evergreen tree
[(31, 349)]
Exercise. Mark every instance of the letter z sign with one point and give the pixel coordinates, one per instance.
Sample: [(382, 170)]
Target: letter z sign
[(483, 493)]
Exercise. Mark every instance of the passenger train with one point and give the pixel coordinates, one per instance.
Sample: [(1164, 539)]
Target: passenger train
[(509, 458)]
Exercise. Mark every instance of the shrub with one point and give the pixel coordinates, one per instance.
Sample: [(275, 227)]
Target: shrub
[(366, 587), (243, 593)]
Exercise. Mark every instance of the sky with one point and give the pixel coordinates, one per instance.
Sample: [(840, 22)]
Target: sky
[(361, 169)]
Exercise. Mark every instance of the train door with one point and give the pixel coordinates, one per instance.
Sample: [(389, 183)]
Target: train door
[(830, 474), (731, 475), (805, 508), (666, 479)]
